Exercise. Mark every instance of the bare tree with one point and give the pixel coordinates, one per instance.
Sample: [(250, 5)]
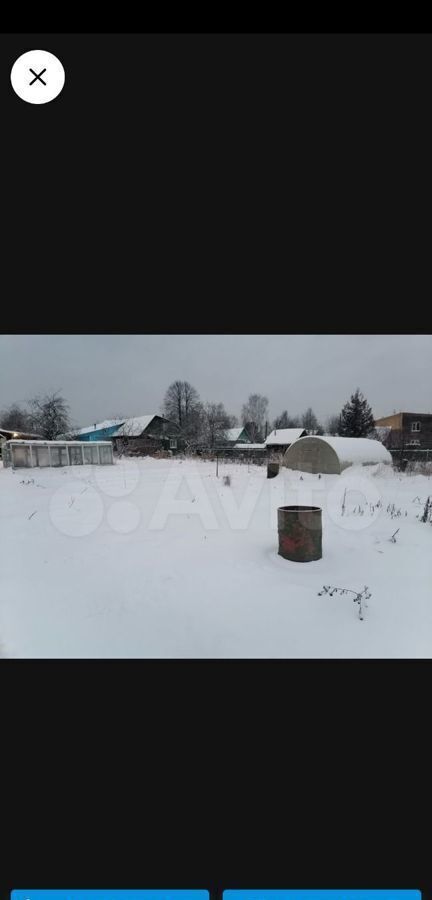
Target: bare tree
[(286, 421), (254, 414), (332, 425), (310, 422), (15, 418), (180, 401), (50, 415), (191, 402), (183, 406), (173, 405), (194, 424), (282, 421), (216, 423)]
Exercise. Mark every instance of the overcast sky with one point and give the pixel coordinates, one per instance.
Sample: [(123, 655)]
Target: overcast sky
[(103, 376)]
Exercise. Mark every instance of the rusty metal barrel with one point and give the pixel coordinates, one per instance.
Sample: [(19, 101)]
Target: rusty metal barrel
[(272, 469), (300, 533)]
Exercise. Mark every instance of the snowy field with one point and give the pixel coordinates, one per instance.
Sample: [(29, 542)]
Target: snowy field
[(160, 558)]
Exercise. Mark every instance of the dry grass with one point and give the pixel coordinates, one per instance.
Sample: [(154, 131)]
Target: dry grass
[(419, 468), (161, 454)]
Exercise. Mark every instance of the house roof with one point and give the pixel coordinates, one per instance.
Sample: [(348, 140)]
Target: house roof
[(135, 426), (283, 436), (107, 423), (233, 434), (402, 413), (29, 434)]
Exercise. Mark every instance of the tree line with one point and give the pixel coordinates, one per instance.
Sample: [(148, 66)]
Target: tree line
[(200, 422), (47, 415), (208, 423)]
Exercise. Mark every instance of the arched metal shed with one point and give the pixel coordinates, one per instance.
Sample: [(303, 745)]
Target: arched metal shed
[(331, 455)]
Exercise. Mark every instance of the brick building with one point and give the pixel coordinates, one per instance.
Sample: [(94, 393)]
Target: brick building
[(407, 431)]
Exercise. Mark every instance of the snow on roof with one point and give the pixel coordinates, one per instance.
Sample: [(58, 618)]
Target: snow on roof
[(355, 450), (107, 423), (135, 426), (233, 434), (283, 436), (29, 434), (249, 446)]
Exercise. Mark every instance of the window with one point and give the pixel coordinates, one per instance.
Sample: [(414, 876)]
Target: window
[(173, 443), (415, 426)]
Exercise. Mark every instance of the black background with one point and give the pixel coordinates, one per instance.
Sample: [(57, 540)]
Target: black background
[(218, 183), (221, 183)]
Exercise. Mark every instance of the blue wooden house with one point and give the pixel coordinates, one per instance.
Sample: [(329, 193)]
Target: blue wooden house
[(140, 434), (101, 431)]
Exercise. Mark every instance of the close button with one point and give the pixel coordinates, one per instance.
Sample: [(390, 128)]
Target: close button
[(37, 76)]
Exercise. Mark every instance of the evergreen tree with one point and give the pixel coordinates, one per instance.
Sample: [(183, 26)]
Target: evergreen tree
[(356, 417)]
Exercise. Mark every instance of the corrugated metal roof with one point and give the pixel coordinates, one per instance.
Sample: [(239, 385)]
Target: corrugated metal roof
[(283, 436), (107, 423)]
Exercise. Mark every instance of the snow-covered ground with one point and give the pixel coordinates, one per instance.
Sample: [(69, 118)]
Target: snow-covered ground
[(159, 558)]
